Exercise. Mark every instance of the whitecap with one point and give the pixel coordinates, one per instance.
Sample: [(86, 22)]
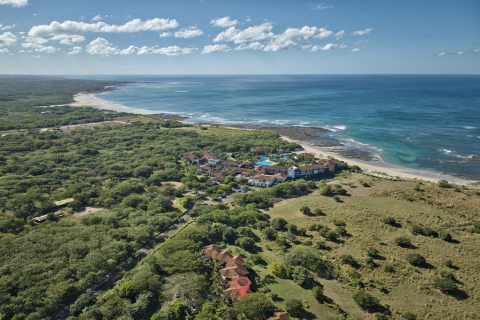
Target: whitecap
[(181, 91), (469, 127)]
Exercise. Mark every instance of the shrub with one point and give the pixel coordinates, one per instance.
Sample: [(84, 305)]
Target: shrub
[(445, 235), (305, 210), (476, 227), (444, 184), (417, 230), (369, 263), (278, 223), (371, 252), (415, 259), (303, 256), (429, 232), (448, 263), (331, 235), (318, 212), (365, 300), (269, 233), (320, 245), (82, 302), (260, 225), (341, 231), (245, 242), (336, 198), (301, 276), (317, 293), (278, 269), (402, 242), (389, 268), (445, 284), (348, 259), (339, 223), (447, 274), (389, 220), (409, 316), (294, 307)]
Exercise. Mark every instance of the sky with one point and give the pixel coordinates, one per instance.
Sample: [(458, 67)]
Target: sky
[(73, 37)]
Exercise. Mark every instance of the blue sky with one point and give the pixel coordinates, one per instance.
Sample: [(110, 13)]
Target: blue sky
[(239, 37)]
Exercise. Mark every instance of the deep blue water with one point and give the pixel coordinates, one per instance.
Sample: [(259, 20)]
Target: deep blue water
[(419, 121)]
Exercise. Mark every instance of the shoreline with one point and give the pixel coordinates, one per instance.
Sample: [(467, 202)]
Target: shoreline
[(85, 99)]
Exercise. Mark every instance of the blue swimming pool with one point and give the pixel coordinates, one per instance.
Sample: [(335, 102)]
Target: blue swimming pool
[(264, 162)]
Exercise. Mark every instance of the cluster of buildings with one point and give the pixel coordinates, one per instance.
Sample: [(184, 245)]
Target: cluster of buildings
[(264, 175), (233, 268)]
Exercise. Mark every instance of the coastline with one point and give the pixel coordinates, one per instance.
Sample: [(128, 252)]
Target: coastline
[(84, 99)]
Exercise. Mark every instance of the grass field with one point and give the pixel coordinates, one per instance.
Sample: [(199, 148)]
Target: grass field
[(408, 288)]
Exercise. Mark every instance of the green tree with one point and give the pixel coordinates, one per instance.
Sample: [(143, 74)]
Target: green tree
[(317, 293), (445, 284), (294, 307), (82, 302), (278, 269), (365, 300), (269, 234), (143, 171), (278, 223), (305, 210), (304, 256), (245, 242), (254, 306), (415, 259), (302, 276)]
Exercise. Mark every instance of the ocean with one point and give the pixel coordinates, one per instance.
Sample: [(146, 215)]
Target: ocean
[(416, 121)]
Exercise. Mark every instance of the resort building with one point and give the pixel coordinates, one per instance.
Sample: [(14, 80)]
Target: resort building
[(266, 181), (233, 268)]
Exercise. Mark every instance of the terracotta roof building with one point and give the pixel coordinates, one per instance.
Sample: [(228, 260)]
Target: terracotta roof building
[(234, 268)]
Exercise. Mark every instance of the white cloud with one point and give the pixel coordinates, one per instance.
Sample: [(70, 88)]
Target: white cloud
[(339, 34), (441, 54), (279, 45), (319, 6), (4, 50), (189, 32), (97, 18), (14, 3), (37, 44), (101, 47), (356, 49), (224, 22), (251, 46), (7, 39), (165, 34), (308, 46), (459, 53), (476, 50), (169, 51), (7, 27), (255, 33), (284, 40), (75, 50), (74, 27), (68, 40), (362, 32), (215, 48), (327, 47), (36, 57)]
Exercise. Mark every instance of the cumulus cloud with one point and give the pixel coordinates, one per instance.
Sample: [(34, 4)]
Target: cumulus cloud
[(97, 18), (75, 50), (4, 50), (285, 40), (68, 40), (101, 47), (362, 32), (7, 27), (224, 22), (441, 54), (37, 44), (14, 3), (165, 34), (356, 49), (215, 48), (75, 27), (476, 50), (237, 36), (169, 51), (330, 46), (7, 39), (339, 34), (459, 53), (319, 6), (189, 32), (251, 46)]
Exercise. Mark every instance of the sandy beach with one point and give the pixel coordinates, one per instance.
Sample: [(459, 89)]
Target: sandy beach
[(393, 170), (86, 100)]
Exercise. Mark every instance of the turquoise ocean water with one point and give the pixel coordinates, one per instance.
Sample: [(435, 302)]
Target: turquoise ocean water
[(418, 121)]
